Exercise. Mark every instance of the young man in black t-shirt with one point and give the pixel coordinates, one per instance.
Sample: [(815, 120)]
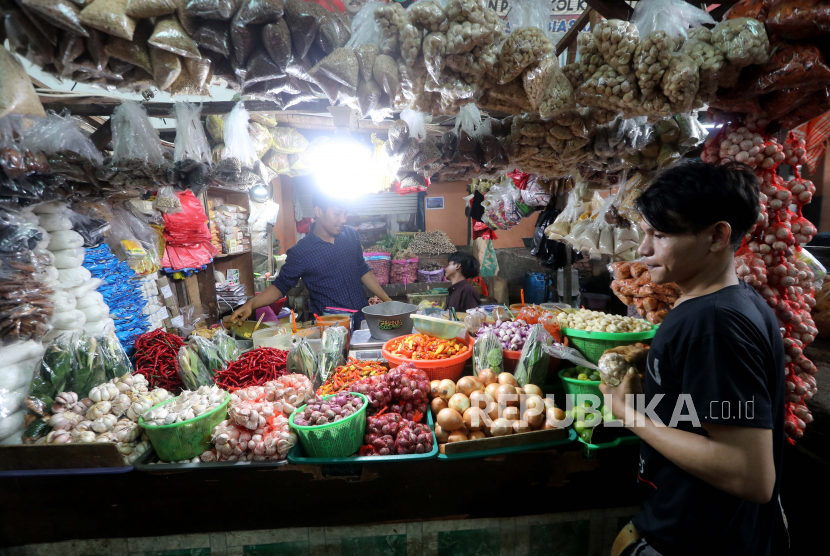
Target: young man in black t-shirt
[(712, 423)]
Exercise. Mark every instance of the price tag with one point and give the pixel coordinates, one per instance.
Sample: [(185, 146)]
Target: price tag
[(178, 322), (166, 291)]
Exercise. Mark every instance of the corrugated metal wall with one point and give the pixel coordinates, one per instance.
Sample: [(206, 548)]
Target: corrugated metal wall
[(382, 203)]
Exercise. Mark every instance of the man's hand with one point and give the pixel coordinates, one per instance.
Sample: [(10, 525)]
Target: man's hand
[(241, 315), (630, 385)]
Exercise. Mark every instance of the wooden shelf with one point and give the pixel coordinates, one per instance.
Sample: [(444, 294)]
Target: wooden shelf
[(224, 255)]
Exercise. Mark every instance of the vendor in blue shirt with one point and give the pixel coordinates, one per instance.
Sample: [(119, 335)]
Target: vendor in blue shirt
[(330, 262)]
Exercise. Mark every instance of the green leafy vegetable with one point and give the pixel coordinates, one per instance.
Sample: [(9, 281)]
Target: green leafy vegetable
[(487, 353), (533, 363)]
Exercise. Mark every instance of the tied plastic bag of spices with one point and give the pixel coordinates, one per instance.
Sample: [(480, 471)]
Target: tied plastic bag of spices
[(133, 136), (341, 66), (790, 66), (261, 68), (798, 19), (191, 142), (219, 10), (252, 12), (141, 9), (527, 42), (133, 51), (167, 202), (62, 134), (214, 36), (169, 35), (110, 17), (17, 94), (332, 33), (385, 72), (302, 18), (277, 40), (366, 54), (60, 13)]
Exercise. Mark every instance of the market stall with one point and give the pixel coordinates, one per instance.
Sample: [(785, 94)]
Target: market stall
[(125, 244)]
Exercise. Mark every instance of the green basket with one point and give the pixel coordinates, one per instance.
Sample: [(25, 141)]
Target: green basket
[(186, 439), (333, 440), (576, 387), (593, 344)]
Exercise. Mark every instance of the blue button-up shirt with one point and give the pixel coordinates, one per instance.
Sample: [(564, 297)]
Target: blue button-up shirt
[(331, 272)]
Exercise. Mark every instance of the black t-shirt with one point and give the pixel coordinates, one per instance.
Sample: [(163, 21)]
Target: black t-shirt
[(724, 351)]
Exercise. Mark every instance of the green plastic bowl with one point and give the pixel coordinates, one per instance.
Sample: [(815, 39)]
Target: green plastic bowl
[(576, 387), (440, 328), (333, 440), (185, 439), (593, 344)]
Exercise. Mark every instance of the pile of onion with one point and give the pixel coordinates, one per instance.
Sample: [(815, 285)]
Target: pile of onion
[(489, 405)]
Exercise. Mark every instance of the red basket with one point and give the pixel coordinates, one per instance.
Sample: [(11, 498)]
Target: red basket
[(510, 360), (450, 368)]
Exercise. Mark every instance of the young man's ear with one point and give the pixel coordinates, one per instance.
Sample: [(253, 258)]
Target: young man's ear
[(721, 236)]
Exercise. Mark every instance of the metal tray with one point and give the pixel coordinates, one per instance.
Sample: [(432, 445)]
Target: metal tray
[(297, 456), (572, 436), (147, 463)]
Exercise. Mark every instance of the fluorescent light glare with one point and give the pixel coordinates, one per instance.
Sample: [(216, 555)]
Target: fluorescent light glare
[(344, 168)]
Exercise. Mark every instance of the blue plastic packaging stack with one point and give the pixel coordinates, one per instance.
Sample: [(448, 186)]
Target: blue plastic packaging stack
[(121, 293)]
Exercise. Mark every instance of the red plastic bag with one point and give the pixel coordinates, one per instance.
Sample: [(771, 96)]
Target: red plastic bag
[(754, 9), (519, 178), (790, 66), (737, 101), (799, 19), (482, 230), (818, 103), (779, 103)]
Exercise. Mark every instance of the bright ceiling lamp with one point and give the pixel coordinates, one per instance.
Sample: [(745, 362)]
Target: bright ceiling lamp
[(343, 167)]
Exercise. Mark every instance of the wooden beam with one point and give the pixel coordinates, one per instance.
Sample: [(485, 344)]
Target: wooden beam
[(570, 37), (612, 9), (102, 136)]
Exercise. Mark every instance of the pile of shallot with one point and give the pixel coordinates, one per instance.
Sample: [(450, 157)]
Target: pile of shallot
[(320, 411), (390, 434), (772, 260), (257, 426), (110, 414)]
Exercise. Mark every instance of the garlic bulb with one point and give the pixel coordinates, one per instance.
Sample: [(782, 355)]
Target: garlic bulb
[(79, 407), (185, 406), (58, 437), (85, 437), (104, 423), (139, 407), (63, 400), (137, 451), (159, 395), (105, 437), (104, 392), (121, 404), (98, 410), (126, 431), (83, 426), (64, 421)]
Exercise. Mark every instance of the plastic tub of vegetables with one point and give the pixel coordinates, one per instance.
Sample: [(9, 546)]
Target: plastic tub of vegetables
[(323, 429), (187, 434)]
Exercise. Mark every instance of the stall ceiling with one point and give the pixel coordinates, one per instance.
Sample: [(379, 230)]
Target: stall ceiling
[(381, 203)]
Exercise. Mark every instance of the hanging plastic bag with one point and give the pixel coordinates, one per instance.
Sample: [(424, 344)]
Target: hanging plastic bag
[(166, 201), (113, 357), (527, 41), (58, 133), (191, 142), (675, 17), (207, 352), (238, 142), (192, 370), (133, 136)]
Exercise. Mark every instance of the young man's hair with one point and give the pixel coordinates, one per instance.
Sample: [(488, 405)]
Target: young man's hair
[(325, 202), (467, 264), (689, 197)]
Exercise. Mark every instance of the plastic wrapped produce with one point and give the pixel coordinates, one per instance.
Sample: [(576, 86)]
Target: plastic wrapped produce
[(390, 19), (743, 41), (527, 42), (428, 15), (617, 42), (680, 82)]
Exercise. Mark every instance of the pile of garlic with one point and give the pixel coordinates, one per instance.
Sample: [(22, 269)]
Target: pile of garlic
[(188, 405), (109, 414)]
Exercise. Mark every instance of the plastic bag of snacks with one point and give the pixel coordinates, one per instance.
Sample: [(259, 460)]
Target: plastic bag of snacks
[(790, 66), (743, 41), (58, 133), (527, 42), (797, 19)]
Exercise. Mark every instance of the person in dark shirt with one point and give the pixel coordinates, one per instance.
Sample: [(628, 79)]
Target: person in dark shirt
[(330, 262), (461, 267), (712, 423)]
